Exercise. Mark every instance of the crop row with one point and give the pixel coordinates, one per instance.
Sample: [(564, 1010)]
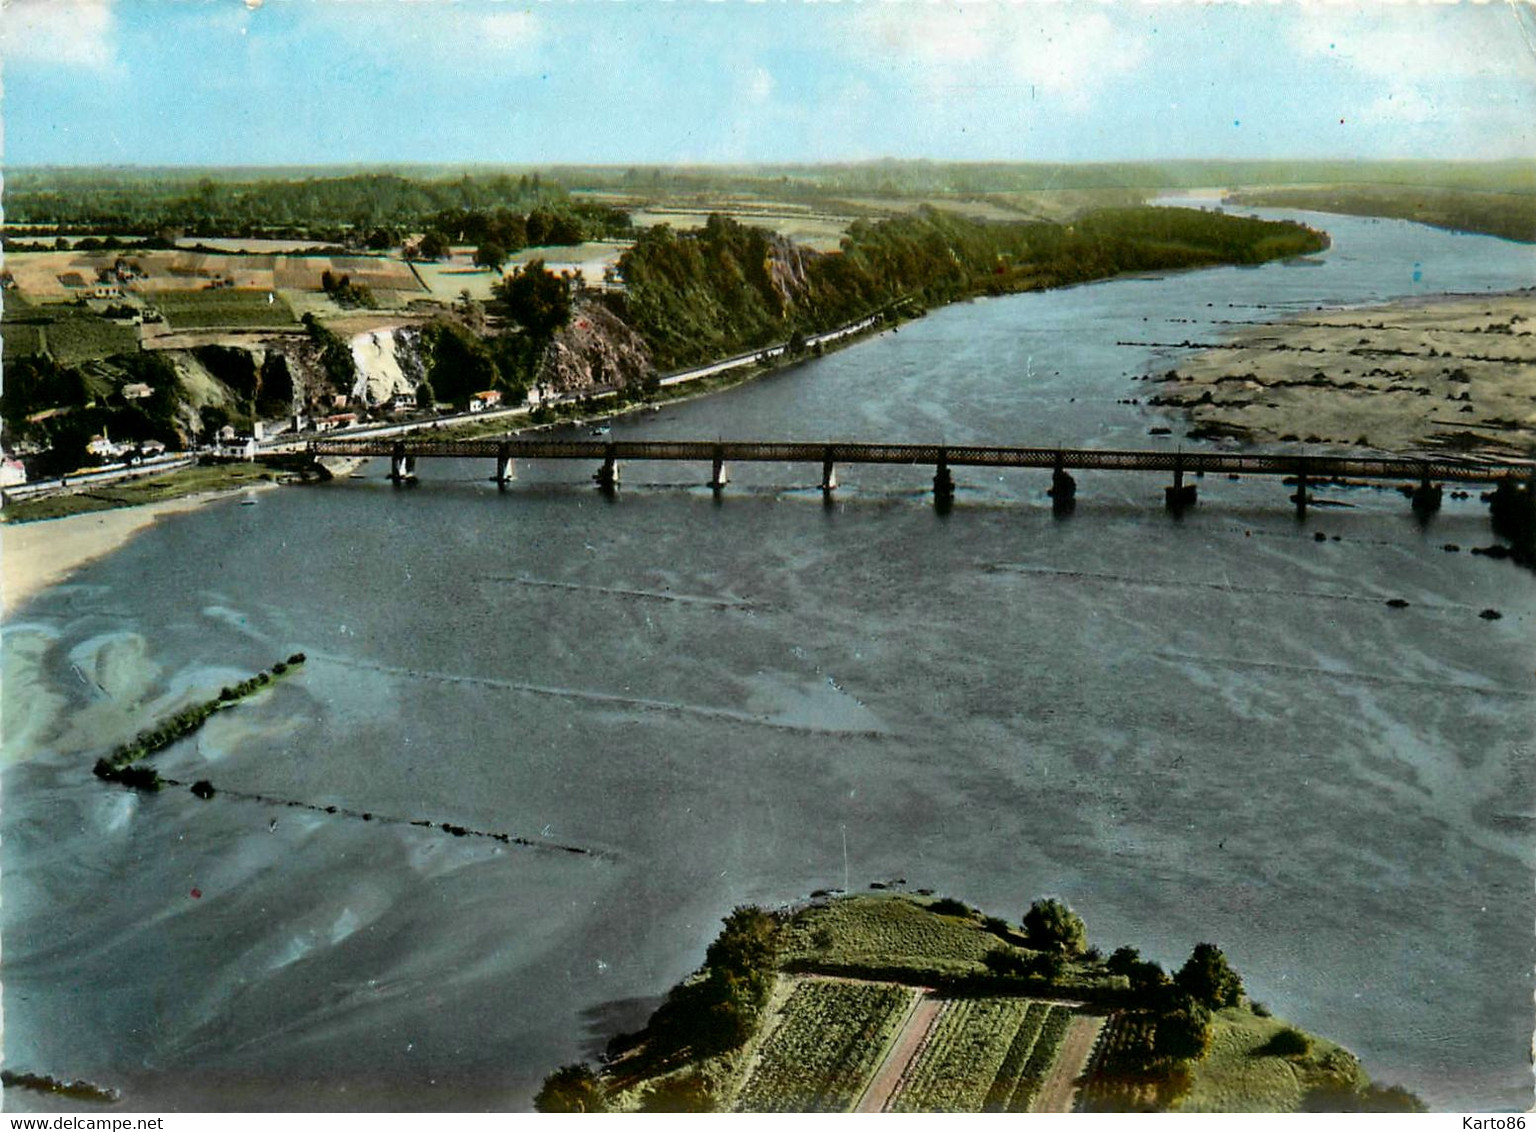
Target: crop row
[(1041, 1058), (1118, 1081), (820, 1056), (960, 1060), (1012, 1068)]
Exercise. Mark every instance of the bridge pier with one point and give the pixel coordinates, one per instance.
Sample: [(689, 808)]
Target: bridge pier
[(1426, 498), (1300, 498), (1512, 510), (943, 483), (1063, 490), (1180, 495), (719, 475), (402, 468), (828, 473), (607, 477)]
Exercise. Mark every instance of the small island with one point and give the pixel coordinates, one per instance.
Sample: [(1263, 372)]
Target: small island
[(889, 1002)]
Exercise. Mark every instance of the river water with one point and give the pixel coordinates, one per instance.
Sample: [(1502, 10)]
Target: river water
[(1205, 729)]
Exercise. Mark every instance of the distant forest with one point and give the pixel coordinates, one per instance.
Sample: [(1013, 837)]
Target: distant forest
[(376, 209), (1510, 215), (336, 203)]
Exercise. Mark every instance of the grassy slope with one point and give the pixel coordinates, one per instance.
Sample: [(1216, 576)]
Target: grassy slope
[(896, 931), (1236, 1076)]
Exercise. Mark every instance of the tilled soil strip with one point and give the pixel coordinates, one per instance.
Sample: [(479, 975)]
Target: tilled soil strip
[(1060, 1088), (903, 1050)]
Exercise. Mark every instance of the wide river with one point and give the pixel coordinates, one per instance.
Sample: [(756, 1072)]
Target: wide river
[(1206, 729)]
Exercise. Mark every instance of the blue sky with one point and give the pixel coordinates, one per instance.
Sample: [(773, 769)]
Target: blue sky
[(651, 81)]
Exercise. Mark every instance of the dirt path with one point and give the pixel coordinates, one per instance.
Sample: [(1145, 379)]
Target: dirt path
[(1060, 1088), (903, 1050)]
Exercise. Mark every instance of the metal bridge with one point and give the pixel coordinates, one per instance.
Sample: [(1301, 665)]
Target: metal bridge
[(1426, 473)]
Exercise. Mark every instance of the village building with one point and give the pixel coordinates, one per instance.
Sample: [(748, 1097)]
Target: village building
[(335, 421), (489, 399)]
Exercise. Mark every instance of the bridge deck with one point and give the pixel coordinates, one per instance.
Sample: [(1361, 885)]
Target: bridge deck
[(955, 455)]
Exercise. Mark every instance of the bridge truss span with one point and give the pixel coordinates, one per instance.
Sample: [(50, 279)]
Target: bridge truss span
[(1313, 467)]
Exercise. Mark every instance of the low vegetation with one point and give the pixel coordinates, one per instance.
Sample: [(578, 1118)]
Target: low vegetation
[(121, 765), (849, 970), (132, 493)]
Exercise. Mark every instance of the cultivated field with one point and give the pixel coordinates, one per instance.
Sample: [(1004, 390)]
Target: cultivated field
[(835, 1043), (195, 310), (821, 231), (830, 1036), (46, 276)]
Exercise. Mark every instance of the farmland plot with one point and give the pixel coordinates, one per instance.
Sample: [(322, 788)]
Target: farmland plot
[(193, 310), (820, 1056), (955, 1070)]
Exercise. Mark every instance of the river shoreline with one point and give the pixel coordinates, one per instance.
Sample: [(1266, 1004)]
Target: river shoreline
[(44, 552), (38, 553)]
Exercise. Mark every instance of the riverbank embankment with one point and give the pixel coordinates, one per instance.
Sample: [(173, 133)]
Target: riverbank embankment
[(38, 553)]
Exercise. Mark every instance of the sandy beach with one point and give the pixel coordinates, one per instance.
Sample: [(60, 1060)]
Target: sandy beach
[(1450, 373), (36, 555)]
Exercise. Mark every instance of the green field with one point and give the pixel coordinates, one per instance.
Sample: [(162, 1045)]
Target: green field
[(68, 334), (996, 1043), (197, 310), (888, 931), (821, 1055), (80, 336), (1239, 1075), (151, 488)]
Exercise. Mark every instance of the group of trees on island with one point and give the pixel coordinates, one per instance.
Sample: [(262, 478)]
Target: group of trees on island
[(120, 766), (728, 288)]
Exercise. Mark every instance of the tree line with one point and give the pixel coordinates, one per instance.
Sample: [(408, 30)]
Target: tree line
[(728, 288), (362, 208)]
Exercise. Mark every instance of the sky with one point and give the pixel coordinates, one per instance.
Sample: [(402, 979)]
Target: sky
[(285, 82)]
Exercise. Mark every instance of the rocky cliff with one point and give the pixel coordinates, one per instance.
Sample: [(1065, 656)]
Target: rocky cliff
[(596, 349)]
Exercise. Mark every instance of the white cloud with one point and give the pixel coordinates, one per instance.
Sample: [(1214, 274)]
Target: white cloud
[(505, 31), (1409, 42), (1066, 50), (441, 33), (760, 85), (1072, 51), (60, 33)]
